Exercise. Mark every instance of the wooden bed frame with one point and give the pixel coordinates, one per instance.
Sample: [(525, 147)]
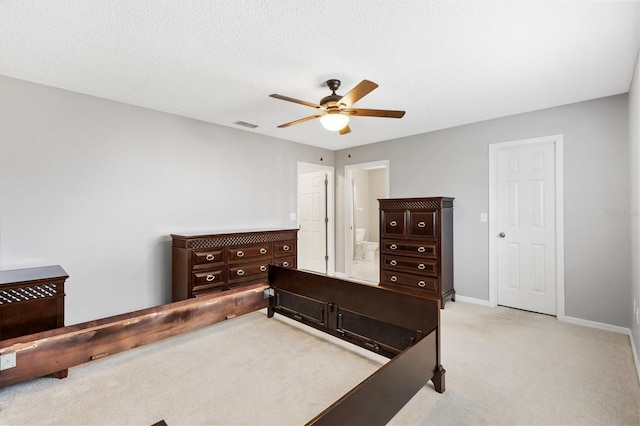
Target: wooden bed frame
[(400, 326)]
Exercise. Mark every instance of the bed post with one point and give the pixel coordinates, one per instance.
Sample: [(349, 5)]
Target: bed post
[(438, 374), (438, 379), (270, 293)]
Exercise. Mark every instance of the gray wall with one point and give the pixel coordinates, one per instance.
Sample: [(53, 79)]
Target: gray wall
[(97, 187), (454, 162)]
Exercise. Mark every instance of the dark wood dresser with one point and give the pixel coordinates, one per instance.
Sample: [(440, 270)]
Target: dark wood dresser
[(416, 246), (204, 264)]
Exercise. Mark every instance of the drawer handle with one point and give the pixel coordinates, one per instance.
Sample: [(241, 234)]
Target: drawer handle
[(422, 283), (421, 224), (393, 223), (240, 253), (210, 257), (421, 266), (394, 278), (285, 264), (263, 250), (263, 268), (285, 248), (210, 278), (393, 263), (393, 246), (240, 272), (421, 249)]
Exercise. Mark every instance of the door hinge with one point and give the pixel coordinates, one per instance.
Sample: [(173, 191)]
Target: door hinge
[(326, 258)]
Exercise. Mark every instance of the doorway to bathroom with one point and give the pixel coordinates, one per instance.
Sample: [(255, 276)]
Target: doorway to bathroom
[(366, 183)]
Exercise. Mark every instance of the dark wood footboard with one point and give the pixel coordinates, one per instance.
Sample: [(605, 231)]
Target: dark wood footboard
[(397, 325)]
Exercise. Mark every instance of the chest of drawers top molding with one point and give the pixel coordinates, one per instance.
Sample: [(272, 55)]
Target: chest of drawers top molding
[(199, 241), (417, 203)]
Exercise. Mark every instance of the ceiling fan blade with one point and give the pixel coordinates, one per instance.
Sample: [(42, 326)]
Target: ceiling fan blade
[(360, 91), (359, 112), (346, 129), (297, 101), (302, 120)]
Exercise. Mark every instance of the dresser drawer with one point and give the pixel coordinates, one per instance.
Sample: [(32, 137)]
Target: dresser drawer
[(410, 264), (284, 248), (429, 285), (251, 271), (250, 252), (205, 258), (406, 248), (285, 262), (423, 224), (394, 224), (208, 279)]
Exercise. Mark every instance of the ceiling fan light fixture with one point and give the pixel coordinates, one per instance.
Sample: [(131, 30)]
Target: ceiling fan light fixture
[(334, 121)]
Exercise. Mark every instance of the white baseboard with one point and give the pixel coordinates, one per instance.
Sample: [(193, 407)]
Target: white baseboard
[(598, 325), (636, 361), (472, 300), (615, 329)]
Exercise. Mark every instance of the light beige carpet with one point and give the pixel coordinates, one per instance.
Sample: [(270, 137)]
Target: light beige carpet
[(503, 367)]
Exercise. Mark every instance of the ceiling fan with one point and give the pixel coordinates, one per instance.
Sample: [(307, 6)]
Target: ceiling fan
[(337, 109)]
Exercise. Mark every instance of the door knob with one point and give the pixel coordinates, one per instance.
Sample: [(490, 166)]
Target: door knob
[(502, 235)]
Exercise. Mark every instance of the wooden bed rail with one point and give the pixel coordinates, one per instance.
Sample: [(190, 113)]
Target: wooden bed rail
[(48, 352), (379, 397), (400, 326)]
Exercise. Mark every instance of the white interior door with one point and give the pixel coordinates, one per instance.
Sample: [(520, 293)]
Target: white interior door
[(525, 227), (312, 236)]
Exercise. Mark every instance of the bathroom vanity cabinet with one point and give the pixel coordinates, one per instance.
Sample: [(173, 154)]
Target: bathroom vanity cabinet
[(416, 246)]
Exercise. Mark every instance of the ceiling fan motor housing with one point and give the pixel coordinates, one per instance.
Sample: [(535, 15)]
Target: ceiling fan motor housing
[(333, 84), (331, 102)]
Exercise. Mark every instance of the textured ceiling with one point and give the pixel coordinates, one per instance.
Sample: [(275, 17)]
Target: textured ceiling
[(446, 63)]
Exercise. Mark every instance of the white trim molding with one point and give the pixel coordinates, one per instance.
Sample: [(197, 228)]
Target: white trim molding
[(559, 217), (348, 220), (473, 300), (598, 325), (636, 361)]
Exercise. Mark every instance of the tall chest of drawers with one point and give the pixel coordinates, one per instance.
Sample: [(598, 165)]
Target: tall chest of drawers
[(416, 246), (210, 263)]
